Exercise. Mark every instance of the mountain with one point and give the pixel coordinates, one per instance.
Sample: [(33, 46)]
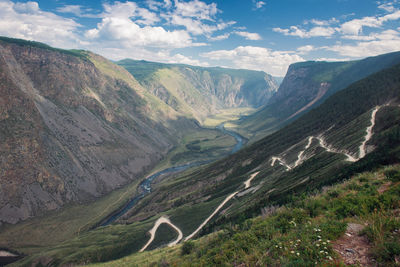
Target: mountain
[(199, 92), (307, 85), (355, 130), (73, 127)]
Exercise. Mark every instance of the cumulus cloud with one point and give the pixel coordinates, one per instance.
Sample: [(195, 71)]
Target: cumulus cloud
[(375, 44), (28, 21), (248, 35), (256, 58), (196, 9), (117, 28), (355, 26), (314, 32)]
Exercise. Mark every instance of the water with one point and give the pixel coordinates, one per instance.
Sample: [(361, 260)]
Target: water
[(145, 186)]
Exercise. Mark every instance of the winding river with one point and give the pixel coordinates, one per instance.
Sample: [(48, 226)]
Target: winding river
[(145, 186)]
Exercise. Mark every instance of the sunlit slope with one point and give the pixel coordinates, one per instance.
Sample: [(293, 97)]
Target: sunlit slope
[(199, 92)]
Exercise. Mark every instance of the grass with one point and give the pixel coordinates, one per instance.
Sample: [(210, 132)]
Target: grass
[(227, 115), (300, 233)]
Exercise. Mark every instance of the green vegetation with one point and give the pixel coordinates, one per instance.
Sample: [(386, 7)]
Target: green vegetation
[(301, 233)]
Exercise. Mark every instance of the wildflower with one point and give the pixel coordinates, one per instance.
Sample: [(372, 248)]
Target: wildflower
[(319, 236), (292, 252), (321, 251), (324, 243), (317, 245), (298, 254), (329, 258), (298, 240)]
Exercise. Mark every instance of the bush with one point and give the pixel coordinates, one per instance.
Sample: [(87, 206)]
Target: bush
[(187, 247), (392, 175)]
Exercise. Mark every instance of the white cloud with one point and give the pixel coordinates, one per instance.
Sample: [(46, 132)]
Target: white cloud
[(355, 26), (256, 58), (305, 49), (331, 59), (387, 7), (77, 10), (73, 9), (197, 27), (28, 21), (220, 37), (117, 29), (319, 22), (249, 35), (259, 4), (196, 9), (385, 42), (314, 32)]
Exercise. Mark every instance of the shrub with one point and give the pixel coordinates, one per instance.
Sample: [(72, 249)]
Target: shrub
[(187, 247), (392, 175)]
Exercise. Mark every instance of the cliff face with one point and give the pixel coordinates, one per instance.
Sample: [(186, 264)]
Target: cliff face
[(199, 92), (71, 132)]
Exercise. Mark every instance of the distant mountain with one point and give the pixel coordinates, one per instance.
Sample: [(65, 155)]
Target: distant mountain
[(307, 85), (199, 92), (73, 126)]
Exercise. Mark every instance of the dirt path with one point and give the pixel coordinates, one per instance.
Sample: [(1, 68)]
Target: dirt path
[(300, 156), (246, 184), (4, 253), (248, 181), (212, 215), (280, 160), (153, 231), (369, 133), (354, 248), (324, 145)]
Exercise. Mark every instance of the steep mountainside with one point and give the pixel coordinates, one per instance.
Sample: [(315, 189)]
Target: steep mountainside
[(199, 92), (73, 126), (356, 129), (307, 85)]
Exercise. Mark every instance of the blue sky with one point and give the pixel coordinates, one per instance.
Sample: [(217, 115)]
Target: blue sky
[(263, 35)]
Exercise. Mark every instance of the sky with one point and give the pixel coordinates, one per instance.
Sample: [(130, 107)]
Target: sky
[(266, 35)]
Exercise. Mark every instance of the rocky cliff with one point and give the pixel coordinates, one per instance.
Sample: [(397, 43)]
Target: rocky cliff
[(73, 126)]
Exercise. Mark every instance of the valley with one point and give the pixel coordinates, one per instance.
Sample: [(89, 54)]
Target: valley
[(109, 161)]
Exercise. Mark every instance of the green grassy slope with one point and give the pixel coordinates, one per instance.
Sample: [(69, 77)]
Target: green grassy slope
[(304, 232)]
